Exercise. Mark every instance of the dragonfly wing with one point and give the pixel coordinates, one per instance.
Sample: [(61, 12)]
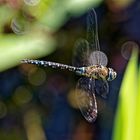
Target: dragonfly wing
[(96, 56), (81, 53), (102, 88), (86, 100), (92, 30)]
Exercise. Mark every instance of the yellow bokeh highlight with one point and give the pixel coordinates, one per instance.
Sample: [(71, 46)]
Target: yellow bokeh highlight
[(33, 125), (22, 95), (37, 76), (72, 99), (121, 3), (78, 98)]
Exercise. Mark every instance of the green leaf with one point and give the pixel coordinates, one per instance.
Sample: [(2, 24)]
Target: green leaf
[(137, 114), (127, 121)]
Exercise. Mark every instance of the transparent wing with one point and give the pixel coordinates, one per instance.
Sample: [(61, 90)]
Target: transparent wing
[(96, 56), (81, 53), (102, 88), (92, 30), (86, 98)]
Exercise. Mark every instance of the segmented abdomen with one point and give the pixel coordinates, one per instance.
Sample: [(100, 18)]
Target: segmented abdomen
[(49, 64)]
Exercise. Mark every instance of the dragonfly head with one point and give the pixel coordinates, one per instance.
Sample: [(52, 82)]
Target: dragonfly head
[(111, 74)]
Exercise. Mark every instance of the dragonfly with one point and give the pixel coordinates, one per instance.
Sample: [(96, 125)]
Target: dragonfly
[(91, 64)]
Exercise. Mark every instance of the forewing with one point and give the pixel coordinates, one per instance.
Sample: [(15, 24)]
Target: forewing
[(92, 30), (96, 56), (81, 53), (85, 96), (102, 88)]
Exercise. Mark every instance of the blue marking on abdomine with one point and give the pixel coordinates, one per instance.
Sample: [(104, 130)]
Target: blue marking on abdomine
[(80, 71), (41, 62)]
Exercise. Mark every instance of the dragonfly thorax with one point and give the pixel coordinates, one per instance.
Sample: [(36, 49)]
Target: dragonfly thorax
[(95, 71)]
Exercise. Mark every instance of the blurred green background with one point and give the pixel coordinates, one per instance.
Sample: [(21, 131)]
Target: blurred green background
[(39, 103)]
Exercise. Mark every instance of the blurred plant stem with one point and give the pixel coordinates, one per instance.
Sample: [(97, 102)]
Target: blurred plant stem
[(15, 48)]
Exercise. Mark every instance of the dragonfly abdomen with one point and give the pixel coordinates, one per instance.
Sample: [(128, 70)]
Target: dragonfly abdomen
[(49, 64)]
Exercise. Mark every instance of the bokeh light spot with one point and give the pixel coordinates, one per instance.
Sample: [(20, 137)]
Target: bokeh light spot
[(127, 48), (71, 99), (37, 77), (78, 99), (22, 95), (33, 125)]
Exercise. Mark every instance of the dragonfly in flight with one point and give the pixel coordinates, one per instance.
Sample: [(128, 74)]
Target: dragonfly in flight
[(90, 63)]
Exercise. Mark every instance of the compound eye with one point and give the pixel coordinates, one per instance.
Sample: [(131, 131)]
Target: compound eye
[(114, 75)]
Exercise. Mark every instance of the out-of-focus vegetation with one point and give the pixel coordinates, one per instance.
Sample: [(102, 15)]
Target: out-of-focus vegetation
[(127, 122), (27, 26)]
